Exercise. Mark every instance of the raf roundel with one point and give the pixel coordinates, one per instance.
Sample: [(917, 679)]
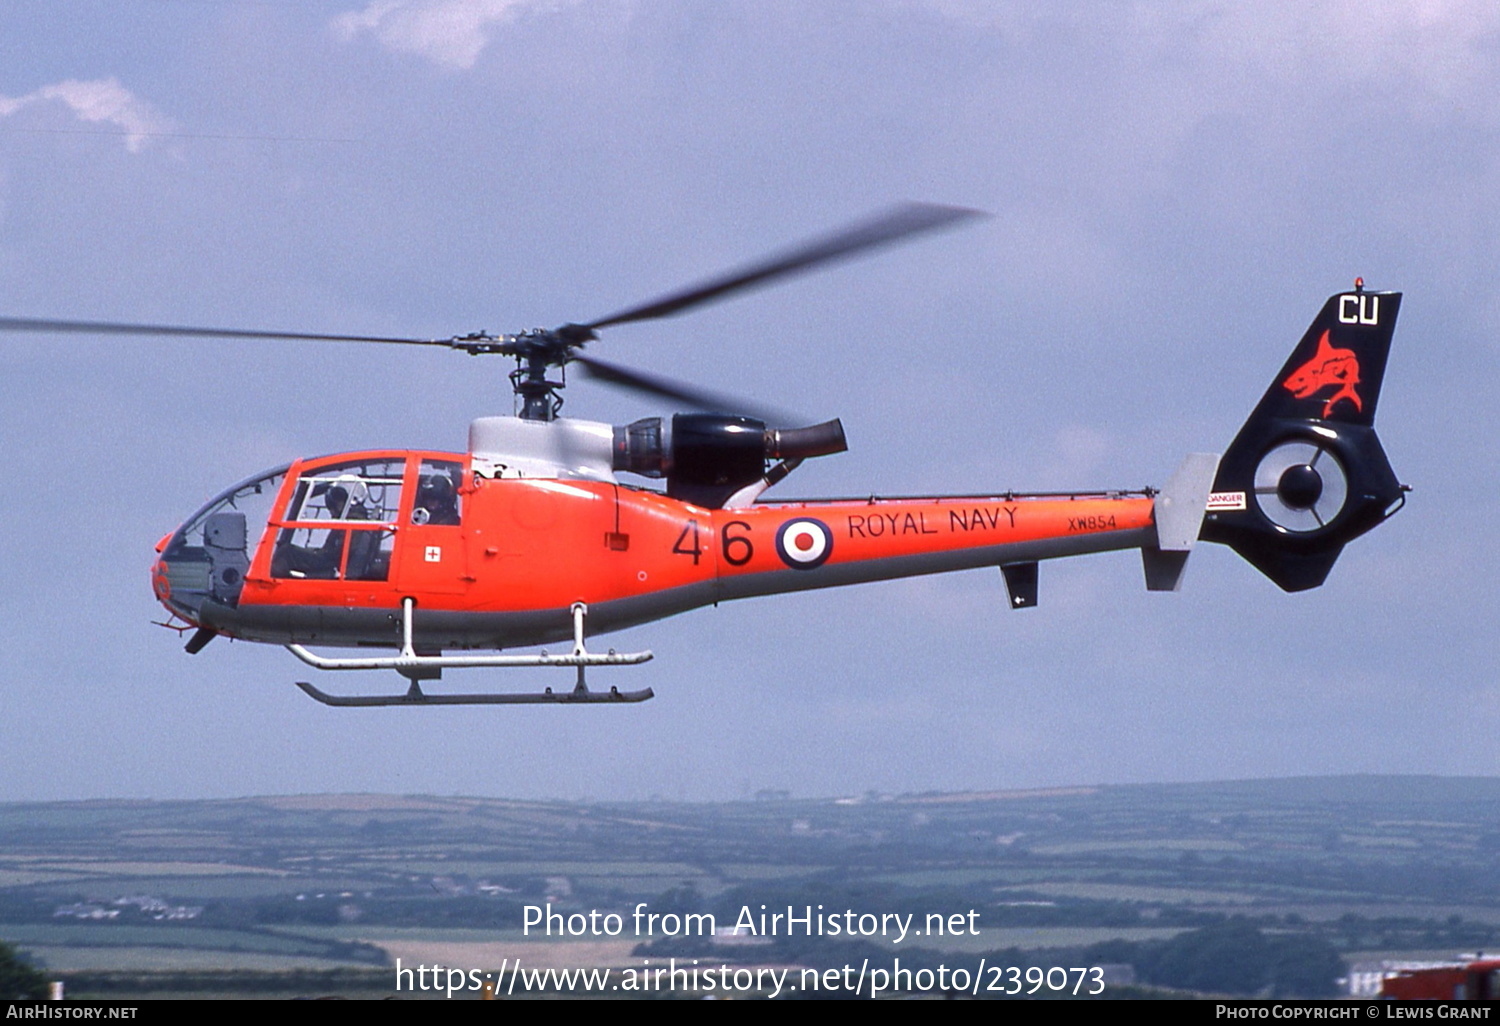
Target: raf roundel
[(804, 544)]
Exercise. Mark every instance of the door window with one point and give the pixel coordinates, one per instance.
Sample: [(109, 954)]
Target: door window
[(322, 537), (438, 498)]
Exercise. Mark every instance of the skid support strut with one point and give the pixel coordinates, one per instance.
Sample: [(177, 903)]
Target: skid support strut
[(416, 668)]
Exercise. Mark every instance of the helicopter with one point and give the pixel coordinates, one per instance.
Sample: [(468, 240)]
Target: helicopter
[(420, 559)]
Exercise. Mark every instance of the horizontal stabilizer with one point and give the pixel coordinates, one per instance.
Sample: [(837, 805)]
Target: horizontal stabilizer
[(1179, 508), (1178, 512)]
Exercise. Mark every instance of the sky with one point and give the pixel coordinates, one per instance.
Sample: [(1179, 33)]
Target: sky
[(1175, 187)]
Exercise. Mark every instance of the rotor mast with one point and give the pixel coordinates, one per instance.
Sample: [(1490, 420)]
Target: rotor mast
[(539, 398)]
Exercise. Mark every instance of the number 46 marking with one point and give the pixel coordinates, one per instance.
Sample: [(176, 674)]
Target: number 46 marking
[(737, 547)]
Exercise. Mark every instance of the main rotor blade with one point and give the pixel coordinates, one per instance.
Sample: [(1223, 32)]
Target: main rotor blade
[(666, 388), (898, 223), (116, 328)]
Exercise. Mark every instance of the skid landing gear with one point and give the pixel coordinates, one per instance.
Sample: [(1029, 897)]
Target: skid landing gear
[(417, 668)]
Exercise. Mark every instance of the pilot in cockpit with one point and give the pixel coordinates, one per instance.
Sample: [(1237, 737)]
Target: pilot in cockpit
[(342, 500), (437, 501)]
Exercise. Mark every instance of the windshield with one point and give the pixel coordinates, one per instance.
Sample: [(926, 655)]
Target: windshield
[(252, 497)]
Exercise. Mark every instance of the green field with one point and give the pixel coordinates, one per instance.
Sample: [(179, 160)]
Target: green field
[(1358, 863)]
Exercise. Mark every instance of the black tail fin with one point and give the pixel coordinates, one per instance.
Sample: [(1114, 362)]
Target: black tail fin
[(1306, 473)]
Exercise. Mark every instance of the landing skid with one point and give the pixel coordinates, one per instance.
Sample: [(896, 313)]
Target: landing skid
[(416, 696), (417, 668)]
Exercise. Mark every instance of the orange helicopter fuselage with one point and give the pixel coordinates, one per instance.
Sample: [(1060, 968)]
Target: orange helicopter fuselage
[(524, 550)]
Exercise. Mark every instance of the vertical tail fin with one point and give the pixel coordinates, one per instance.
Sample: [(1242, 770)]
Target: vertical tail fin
[(1306, 474)]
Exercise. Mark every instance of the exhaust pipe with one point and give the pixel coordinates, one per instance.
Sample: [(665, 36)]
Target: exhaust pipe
[(803, 443)]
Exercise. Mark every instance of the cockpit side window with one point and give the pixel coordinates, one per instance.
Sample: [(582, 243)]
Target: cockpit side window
[(365, 490), (438, 499), (331, 530)]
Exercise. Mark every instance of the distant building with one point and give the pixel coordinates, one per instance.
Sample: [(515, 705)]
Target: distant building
[(157, 908), (1365, 978), (152, 908), (82, 910), (177, 912)]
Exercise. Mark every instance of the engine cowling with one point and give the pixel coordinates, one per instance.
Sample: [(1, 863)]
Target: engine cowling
[(707, 457)]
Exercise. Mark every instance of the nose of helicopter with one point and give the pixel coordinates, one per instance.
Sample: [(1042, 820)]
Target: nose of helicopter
[(206, 559), (173, 582), (179, 584)]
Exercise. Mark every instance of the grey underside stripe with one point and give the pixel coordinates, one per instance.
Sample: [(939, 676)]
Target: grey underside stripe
[(441, 630), (832, 575)]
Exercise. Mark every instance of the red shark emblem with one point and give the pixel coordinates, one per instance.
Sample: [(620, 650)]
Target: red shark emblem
[(1329, 368)]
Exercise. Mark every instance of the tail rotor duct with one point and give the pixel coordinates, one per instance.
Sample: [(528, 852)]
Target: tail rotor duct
[(1300, 486)]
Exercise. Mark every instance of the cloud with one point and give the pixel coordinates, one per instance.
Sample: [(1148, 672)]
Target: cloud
[(1445, 46), (100, 101), (448, 32), (1444, 49)]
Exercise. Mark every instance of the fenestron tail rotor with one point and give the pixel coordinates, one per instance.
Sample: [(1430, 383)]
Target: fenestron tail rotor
[(1301, 486)]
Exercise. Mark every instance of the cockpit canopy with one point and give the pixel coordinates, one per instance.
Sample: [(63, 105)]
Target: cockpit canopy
[(336, 522), (209, 554)]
